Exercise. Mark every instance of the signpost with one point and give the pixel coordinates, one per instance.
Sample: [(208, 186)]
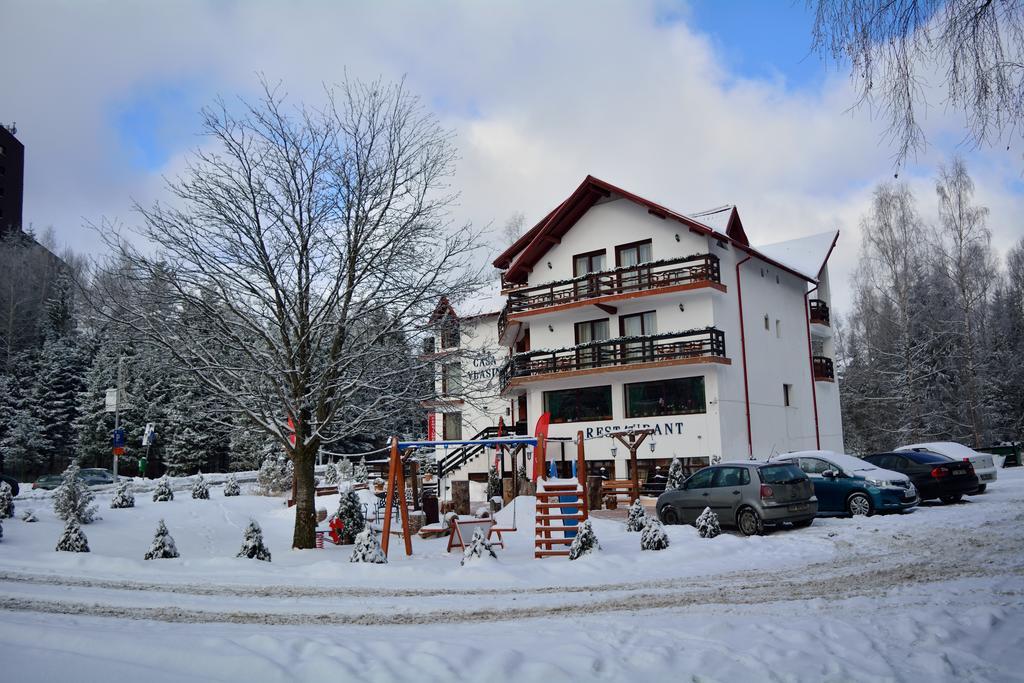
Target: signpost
[(113, 405)]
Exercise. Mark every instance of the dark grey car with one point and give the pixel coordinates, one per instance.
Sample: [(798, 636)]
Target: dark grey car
[(747, 495)]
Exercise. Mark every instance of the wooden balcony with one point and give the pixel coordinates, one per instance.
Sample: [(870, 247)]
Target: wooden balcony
[(656, 350), (823, 369), (819, 312), (690, 272)]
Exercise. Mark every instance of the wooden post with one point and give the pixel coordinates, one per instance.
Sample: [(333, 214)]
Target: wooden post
[(632, 441), (415, 471), (389, 498), (508, 489), (594, 491), (581, 473)]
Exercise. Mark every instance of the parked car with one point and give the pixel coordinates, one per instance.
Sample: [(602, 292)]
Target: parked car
[(47, 482), (984, 465), (934, 475), (747, 495), (96, 476), (12, 482), (848, 485)]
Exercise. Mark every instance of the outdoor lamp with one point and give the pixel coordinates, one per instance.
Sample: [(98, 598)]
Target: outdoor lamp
[(615, 451), (652, 444)]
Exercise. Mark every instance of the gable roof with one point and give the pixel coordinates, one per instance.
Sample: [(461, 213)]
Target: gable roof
[(805, 255)]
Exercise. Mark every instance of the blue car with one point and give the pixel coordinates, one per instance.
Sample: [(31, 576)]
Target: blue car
[(845, 485)]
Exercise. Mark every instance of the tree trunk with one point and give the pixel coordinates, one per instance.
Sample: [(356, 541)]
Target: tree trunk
[(305, 498)]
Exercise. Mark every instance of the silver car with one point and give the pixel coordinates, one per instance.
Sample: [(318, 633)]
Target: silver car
[(747, 495)]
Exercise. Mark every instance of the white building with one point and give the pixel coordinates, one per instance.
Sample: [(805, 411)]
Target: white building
[(619, 312)]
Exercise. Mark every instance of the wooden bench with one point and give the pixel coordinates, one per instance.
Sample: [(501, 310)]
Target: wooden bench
[(618, 487)]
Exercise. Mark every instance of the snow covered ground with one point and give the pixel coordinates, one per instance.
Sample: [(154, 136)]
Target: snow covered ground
[(934, 595)]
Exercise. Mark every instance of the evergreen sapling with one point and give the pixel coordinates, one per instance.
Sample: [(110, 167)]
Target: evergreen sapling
[(479, 548), (653, 537), (331, 474), (493, 483), (637, 517), (200, 490), (367, 548), (231, 487), (163, 544), (585, 541), (345, 470), (6, 501), (72, 498), (707, 524), (675, 475), (350, 512), (252, 546), (163, 493), (73, 540), (361, 475), (124, 497)]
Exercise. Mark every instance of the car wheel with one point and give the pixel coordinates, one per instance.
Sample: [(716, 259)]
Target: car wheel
[(951, 499), (749, 522), (803, 523), (669, 515), (981, 489), (859, 505)]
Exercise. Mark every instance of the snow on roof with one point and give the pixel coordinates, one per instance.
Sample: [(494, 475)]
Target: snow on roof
[(717, 219), (488, 301), (805, 255)]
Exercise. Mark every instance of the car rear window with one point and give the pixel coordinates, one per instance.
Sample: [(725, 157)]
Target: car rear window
[(925, 458), (781, 474)]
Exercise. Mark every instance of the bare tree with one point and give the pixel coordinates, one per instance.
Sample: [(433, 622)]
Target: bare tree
[(301, 244), (895, 45)]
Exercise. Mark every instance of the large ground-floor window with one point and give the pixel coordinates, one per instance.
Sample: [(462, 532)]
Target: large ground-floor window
[(579, 405), (680, 396)]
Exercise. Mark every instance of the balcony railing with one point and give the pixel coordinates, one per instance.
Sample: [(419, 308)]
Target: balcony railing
[(819, 312), (624, 351), (823, 369), (624, 280)]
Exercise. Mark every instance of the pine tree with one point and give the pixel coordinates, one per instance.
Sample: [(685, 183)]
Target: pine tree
[(478, 548), (252, 546), (231, 487), (675, 475), (24, 444), (362, 474), (248, 448), (493, 483), (331, 474), (275, 475), (200, 491), (637, 517), (163, 544), (707, 524), (59, 380), (124, 496), (367, 548), (653, 537), (73, 540), (6, 501), (350, 512), (585, 541), (163, 493), (72, 498)]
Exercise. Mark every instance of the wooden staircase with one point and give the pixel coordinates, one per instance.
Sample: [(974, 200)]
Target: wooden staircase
[(555, 497)]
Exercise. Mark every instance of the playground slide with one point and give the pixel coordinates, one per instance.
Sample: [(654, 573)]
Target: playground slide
[(569, 509)]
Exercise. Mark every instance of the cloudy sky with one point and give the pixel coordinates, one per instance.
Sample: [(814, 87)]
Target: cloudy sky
[(694, 104)]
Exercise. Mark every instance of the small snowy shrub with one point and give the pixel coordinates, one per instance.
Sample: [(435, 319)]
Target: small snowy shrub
[(73, 540), (707, 524), (637, 517), (163, 544), (163, 493), (493, 483), (29, 515), (72, 498), (231, 487), (124, 497), (200, 491), (478, 548), (275, 476), (675, 475), (653, 537), (252, 546), (330, 474), (361, 474), (6, 500), (345, 470), (585, 541), (367, 548), (350, 512)]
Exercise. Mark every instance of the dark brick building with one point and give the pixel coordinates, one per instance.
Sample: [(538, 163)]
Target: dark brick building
[(12, 180)]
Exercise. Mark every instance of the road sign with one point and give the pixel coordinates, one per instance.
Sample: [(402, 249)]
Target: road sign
[(149, 436), (110, 405)]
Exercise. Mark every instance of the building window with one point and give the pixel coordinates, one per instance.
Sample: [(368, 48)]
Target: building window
[(778, 328), (767, 323), (633, 254), (579, 405), (591, 262), (787, 394), (452, 427), (590, 331), (451, 379), (450, 336), (681, 396)]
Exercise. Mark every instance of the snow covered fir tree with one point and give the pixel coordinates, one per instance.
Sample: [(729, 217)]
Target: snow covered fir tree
[(6, 501), (231, 487), (637, 516), (707, 524), (124, 496), (478, 548), (653, 537), (200, 489), (675, 475), (345, 470), (361, 474), (163, 546), (367, 548), (331, 474), (275, 475), (73, 499), (585, 541), (252, 545), (350, 512), (163, 492), (73, 539), (493, 483)]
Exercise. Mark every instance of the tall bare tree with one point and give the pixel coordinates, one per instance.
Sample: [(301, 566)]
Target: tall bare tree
[(302, 242), (894, 47)]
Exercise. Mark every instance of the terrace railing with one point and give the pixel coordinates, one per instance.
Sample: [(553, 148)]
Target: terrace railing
[(823, 368), (819, 312)]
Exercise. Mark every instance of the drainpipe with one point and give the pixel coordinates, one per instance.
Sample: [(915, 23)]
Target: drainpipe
[(810, 359), (743, 350)]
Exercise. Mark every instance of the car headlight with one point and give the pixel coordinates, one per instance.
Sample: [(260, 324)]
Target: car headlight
[(890, 484), (877, 482)]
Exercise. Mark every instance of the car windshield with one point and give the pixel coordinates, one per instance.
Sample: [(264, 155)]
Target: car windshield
[(925, 458), (781, 474)]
